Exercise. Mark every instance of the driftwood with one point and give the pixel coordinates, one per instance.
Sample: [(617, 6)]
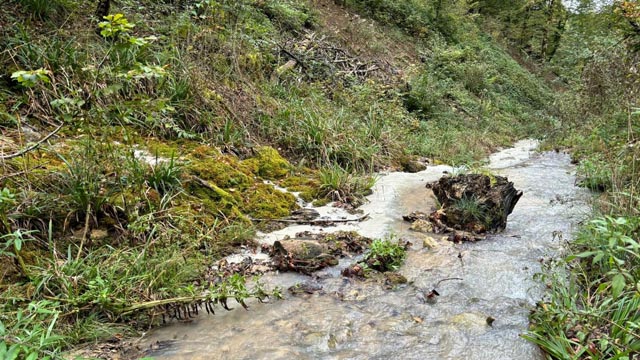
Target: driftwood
[(471, 205)]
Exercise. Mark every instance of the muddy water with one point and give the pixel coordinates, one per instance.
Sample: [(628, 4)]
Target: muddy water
[(350, 319)]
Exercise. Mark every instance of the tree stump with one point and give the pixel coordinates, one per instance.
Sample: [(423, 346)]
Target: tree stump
[(476, 203)]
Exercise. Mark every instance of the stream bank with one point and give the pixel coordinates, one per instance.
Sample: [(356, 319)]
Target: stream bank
[(480, 310)]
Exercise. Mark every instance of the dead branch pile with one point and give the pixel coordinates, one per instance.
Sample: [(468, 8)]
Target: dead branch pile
[(314, 57)]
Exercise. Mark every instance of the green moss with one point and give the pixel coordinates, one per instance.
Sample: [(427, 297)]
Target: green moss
[(265, 202), (268, 164), (321, 202), (167, 149), (213, 199), (307, 187), (221, 170)]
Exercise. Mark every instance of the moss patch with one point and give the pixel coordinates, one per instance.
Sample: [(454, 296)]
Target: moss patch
[(268, 164), (307, 187), (213, 199), (224, 171), (265, 202)]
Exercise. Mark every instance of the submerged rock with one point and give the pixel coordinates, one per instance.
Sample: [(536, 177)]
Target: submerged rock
[(305, 288), (421, 225), (311, 252)]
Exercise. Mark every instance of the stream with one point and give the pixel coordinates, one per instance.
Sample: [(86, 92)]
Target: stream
[(479, 315)]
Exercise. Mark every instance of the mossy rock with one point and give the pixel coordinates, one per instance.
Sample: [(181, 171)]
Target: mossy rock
[(167, 149), (263, 201), (268, 164)]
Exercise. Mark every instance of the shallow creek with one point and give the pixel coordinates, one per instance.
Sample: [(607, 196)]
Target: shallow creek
[(351, 319)]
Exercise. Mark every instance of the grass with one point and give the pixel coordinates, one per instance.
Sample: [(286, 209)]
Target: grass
[(593, 310), (339, 184), (470, 211)]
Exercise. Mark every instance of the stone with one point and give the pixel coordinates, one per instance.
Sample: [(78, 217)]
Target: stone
[(429, 243), (421, 225)]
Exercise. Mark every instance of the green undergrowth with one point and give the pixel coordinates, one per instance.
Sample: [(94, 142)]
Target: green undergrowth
[(169, 122), (591, 311), (592, 308), (385, 255)]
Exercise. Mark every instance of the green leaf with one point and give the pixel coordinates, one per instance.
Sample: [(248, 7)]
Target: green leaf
[(597, 258), (13, 352), (582, 255), (617, 284)]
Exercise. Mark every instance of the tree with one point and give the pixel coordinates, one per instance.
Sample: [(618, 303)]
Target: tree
[(102, 9), (630, 11)]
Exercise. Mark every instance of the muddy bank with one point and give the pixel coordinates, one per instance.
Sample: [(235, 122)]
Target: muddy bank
[(485, 289)]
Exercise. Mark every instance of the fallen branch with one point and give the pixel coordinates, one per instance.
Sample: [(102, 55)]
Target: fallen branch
[(293, 57), (32, 147), (447, 279), (314, 222)]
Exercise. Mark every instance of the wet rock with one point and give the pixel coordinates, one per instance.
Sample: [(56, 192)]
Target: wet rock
[(429, 243), (474, 323), (305, 288), (305, 256), (355, 270), (475, 203), (304, 214), (393, 278), (311, 252), (460, 236), (413, 166), (416, 215), (421, 225)]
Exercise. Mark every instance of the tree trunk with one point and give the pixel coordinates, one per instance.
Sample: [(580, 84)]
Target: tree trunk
[(102, 9)]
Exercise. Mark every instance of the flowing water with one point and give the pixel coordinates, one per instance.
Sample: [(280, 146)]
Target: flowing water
[(351, 319)]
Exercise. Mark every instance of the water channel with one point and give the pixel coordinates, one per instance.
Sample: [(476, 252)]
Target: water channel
[(479, 316)]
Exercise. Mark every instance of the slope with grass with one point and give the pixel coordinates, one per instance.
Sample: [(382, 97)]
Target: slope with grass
[(137, 148)]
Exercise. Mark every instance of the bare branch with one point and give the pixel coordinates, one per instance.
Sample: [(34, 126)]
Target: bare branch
[(32, 147)]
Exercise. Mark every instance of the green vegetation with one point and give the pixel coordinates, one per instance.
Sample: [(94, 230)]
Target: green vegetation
[(592, 307), (385, 255), (470, 211), (136, 148)]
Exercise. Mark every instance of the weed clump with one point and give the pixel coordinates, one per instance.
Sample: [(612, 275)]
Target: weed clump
[(385, 255)]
